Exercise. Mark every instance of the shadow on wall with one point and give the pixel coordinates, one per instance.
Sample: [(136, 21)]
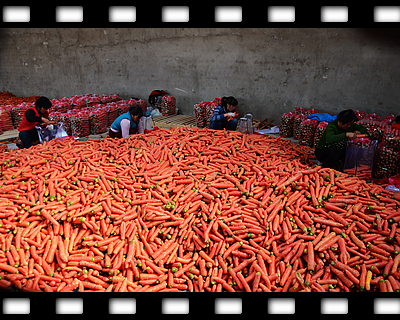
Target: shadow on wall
[(385, 36)]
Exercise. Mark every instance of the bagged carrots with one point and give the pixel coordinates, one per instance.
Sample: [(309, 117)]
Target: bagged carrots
[(191, 209)]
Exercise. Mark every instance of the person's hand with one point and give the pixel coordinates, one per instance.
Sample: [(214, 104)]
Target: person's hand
[(357, 132), (351, 135), (46, 121), (230, 114)]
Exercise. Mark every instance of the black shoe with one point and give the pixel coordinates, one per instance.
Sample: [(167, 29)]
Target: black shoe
[(19, 145), (339, 166)]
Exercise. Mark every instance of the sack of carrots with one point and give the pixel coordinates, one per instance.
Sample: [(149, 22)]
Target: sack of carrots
[(204, 110), (297, 120), (189, 209), (307, 130), (286, 125), (319, 130), (387, 157)]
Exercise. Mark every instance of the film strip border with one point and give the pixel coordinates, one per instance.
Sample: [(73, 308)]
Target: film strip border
[(200, 304), (199, 14)]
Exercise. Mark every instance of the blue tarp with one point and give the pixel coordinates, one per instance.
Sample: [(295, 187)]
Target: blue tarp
[(322, 117)]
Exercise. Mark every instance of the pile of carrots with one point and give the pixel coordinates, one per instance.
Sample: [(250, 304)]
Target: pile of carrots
[(189, 209), (7, 98)]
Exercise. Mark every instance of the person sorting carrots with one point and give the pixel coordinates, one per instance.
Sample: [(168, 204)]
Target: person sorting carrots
[(331, 148), (33, 117), (224, 116), (127, 123)]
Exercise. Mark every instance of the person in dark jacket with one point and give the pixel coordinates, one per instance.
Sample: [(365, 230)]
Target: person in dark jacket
[(224, 116), (34, 116), (331, 148)]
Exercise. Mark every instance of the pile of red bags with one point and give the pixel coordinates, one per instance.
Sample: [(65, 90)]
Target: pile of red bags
[(286, 126), (200, 113), (5, 119), (373, 116), (203, 112), (122, 107), (389, 118), (359, 114), (79, 123), (387, 157), (60, 106), (319, 130), (307, 131), (143, 104), (298, 119), (375, 128), (98, 119), (168, 105), (56, 116), (310, 111), (299, 110), (18, 111), (112, 112)]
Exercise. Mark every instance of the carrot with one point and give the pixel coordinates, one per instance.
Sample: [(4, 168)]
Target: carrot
[(243, 264), (394, 283), (52, 251), (289, 181), (396, 263), (368, 280), (285, 275), (330, 236), (233, 247), (243, 281), (342, 277), (363, 277), (357, 241), (206, 257), (310, 257)]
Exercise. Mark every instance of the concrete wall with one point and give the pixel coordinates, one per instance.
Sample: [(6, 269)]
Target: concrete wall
[(269, 71)]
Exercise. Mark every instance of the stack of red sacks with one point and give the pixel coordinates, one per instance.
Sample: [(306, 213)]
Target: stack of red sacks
[(79, 122), (168, 105), (112, 112), (387, 157), (18, 111), (307, 131), (204, 110), (5, 119), (319, 131), (98, 119)]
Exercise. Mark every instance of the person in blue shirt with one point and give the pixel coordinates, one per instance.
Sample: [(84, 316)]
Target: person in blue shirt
[(222, 113), (127, 123)]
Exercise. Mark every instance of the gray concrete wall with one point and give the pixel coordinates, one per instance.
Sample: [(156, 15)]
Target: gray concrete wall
[(269, 71)]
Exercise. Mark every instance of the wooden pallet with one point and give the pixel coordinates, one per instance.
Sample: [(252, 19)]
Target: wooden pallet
[(161, 122), (10, 134), (175, 121)]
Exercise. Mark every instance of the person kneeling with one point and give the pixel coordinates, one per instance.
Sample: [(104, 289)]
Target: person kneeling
[(331, 148), (224, 116), (34, 116), (127, 123)]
